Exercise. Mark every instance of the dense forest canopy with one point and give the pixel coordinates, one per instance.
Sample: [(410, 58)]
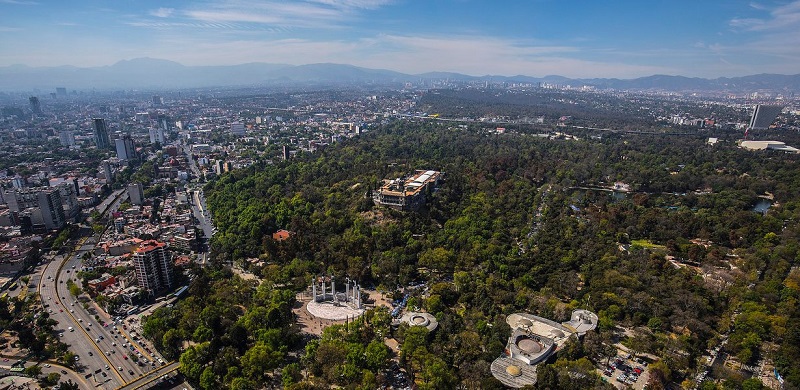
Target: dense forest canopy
[(521, 223)]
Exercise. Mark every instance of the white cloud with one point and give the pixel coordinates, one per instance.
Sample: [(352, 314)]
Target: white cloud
[(770, 44), (366, 4), (162, 12), (312, 13), (785, 18), (19, 2)]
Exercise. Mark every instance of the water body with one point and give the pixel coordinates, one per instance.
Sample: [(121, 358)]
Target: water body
[(762, 206), (618, 196)]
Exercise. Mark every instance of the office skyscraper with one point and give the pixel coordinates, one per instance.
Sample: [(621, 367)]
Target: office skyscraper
[(101, 138), (763, 116)]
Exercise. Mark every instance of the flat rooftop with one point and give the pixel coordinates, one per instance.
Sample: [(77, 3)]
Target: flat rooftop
[(410, 186)]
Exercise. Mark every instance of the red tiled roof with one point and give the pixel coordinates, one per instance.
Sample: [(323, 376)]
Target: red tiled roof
[(281, 235)]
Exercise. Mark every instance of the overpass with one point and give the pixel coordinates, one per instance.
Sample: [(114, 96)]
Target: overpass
[(149, 380)]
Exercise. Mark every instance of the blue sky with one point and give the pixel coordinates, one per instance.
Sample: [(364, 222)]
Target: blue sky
[(574, 38)]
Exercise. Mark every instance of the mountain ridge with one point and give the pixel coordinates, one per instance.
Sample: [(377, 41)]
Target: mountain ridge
[(154, 73)]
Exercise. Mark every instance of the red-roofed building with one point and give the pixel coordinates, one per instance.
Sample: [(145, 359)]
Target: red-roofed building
[(153, 263), (102, 282), (281, 235)]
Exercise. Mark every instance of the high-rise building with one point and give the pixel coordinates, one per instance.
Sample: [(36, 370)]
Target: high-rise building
[(763, 116), (44, 204), (157, 101), (157, 135), (136, 193), (68, 192), (163, 122), (101, 138), (61, 91), (66, 137), (153, 263), (237, 128), (52, 210), (107, 173), (36, 107), (18, 182), (126, 150)]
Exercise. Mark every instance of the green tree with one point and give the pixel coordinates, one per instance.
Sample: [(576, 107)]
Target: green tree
[(68, 385), (208, 380), (377, 354), (33, 371)]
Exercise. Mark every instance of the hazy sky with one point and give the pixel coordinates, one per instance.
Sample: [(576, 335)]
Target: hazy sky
[(575, 38)]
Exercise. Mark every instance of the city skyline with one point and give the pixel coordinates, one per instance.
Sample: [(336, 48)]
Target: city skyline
[(538, 38)]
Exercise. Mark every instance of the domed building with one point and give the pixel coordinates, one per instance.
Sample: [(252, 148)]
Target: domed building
[(533, 340)]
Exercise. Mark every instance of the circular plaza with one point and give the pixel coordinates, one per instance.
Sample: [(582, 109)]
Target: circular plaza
[(332, 311)]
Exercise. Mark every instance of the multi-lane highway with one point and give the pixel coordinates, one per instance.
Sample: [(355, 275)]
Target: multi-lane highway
[(201, 212), (104, 348), (108, 355)]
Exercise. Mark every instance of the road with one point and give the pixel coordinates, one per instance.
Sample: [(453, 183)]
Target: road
[(47, 368), (187, 149), (201, 212), (151, 378), (106, 351)]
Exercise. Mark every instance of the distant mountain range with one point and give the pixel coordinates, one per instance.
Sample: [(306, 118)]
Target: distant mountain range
[(150, 73)]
